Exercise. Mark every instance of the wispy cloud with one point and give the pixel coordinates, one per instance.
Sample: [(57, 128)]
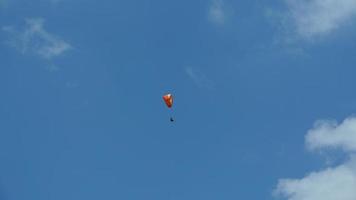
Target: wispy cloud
[(309, 19), (33, 38), (217, 12), (199, 78), (331, 183)]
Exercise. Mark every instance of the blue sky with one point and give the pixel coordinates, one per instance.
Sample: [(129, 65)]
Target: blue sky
[(264, 100)]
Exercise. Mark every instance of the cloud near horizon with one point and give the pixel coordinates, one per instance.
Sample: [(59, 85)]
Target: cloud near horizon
[(331, 183), (35, 39), (313, 18)]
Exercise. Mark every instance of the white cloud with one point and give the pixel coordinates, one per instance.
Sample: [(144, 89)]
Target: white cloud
[(33, 38), (330, 134), (200, 79), (217, 12), (312, 18), (338, 183)]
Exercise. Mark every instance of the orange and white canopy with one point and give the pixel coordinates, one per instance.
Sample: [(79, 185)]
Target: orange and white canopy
[(168, 99)]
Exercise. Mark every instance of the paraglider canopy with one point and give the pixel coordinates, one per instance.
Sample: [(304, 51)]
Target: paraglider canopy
[(168, 99)]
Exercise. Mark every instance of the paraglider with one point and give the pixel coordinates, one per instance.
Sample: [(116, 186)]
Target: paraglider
[(168, 99)]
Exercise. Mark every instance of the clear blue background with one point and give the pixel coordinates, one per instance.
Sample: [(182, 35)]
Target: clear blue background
[(98, 129)]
